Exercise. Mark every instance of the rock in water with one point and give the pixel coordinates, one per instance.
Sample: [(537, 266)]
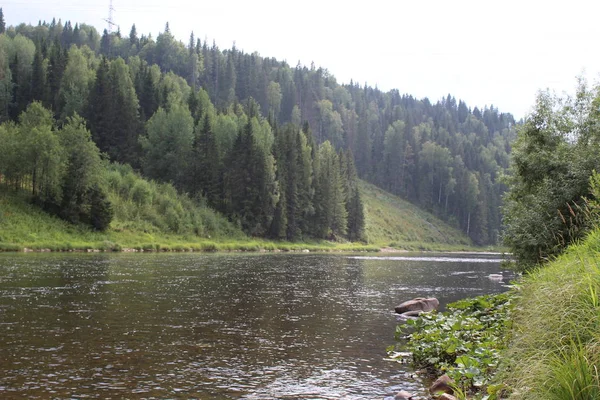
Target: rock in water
[(447, 396), (419, 304), (403, 395), (442, 385)]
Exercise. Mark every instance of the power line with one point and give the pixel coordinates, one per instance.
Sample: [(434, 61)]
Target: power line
[(110, 19)]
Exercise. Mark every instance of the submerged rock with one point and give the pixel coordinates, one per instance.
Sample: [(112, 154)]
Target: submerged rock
[(419, 304)]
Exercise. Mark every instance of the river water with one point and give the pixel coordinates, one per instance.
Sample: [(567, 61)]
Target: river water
[(292, 326)]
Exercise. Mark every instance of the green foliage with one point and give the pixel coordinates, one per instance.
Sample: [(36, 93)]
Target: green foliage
[(62, 167), (464, 342), (77, 81), (168, 144), (555, 153), (147, 206)]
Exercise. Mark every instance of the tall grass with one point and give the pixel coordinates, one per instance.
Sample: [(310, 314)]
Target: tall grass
[(147, 206), (555, 348)]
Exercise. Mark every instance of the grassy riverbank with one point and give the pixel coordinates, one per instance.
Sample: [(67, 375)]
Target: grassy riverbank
[(546, 345), (25, 226), (152, 217), (555, 349)]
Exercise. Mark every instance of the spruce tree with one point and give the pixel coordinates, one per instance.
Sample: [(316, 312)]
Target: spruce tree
[(331, 215), (56, 67), (356, 217), (206, 164), (100, 108), (2, 22), (250, 187), (134, 41), (101, 212), (38, 77)]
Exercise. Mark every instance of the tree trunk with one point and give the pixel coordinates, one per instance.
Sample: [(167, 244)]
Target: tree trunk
[(468, 223)]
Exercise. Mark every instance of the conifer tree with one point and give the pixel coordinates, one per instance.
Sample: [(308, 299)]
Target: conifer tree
[(56, 67), (306, 191), (250, 187), (38, 77), (2, 22), (83, 171), (134, 41), (6, 87), (331, 215), (205, 164), (356, 217), (113, 112)]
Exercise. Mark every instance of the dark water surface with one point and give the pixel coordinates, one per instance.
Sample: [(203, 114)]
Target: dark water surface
[(289, 326)]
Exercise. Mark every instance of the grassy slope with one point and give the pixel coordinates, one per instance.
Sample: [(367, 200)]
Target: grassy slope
[(555, 348), (394, 222), (23, 225), (391, 222)]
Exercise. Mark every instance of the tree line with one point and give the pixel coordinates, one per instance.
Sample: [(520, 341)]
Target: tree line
[(182, 113), (272, 181)]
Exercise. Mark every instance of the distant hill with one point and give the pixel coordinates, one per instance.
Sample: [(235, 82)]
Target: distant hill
[(394, 222)]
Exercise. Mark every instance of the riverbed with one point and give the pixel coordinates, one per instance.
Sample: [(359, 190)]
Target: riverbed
[(253, 326)]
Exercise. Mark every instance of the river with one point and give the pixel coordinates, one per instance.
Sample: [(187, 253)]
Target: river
[(258, 326)]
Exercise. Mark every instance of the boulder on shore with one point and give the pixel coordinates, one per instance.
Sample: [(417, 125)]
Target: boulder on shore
[(419, 304), (443, 384)]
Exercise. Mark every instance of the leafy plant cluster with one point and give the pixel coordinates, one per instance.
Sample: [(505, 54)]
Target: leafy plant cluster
[(463, 342)]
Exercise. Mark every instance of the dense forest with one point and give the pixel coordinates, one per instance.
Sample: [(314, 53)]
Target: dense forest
[(276, 148)]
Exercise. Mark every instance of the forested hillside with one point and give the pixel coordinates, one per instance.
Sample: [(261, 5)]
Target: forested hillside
[(276, 148)]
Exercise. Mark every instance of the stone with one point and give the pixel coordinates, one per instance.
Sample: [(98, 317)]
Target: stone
[(442, 385), (447, 396), (403, 395), (418, 304)]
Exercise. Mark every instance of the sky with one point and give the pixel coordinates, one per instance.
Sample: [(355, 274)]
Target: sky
[(498, 53)]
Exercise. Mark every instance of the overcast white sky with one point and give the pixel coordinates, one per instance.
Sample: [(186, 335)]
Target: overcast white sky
[(483, 52)]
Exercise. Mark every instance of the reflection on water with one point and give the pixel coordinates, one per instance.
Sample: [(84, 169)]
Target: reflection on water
[(434, 259), (214, 326)]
